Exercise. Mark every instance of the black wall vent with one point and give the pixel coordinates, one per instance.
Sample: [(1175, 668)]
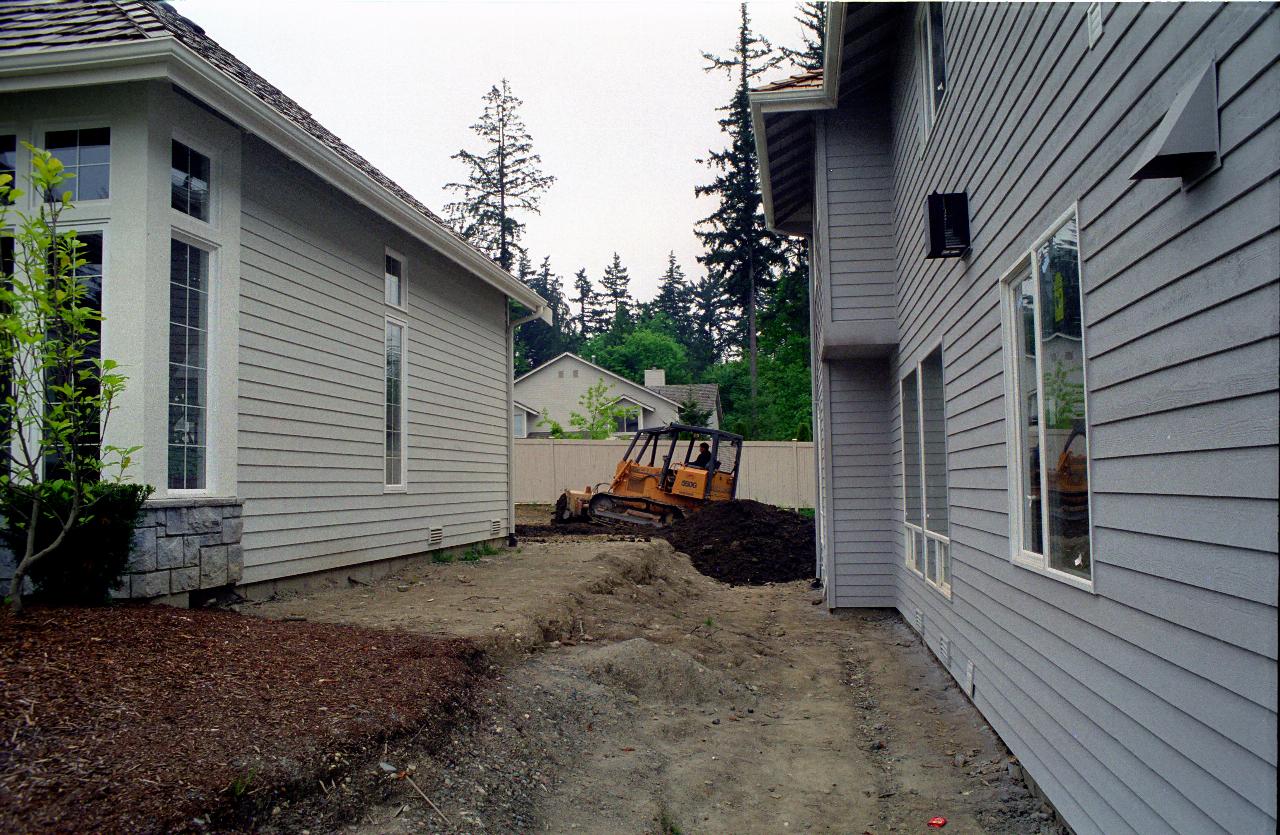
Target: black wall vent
[(948, 216)]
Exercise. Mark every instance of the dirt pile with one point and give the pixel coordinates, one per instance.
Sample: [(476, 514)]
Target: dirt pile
[(746, 543), (658, 673)]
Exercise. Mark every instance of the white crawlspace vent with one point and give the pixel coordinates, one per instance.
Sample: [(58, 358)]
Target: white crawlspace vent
[(967, 684), (944, 651), (495, 527), (917, 619), (1094, 18), (435, 537)]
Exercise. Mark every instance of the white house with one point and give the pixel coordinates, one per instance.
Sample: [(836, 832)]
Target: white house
[(320, 370), (556, 387)]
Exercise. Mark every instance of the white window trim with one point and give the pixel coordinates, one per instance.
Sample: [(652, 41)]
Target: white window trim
[(1032, 561), (403, 485), (213, 397), (910, 527), (94, 209), (927, 113), (403, 305), (193, 224)]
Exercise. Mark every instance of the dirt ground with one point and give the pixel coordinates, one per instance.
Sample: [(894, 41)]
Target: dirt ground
[(633, 694)]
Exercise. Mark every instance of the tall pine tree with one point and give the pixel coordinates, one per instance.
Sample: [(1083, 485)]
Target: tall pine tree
[(504, 180), (675, 298), (741, 254), (539, 341), (591, 316), (812, 17), (617, 288)]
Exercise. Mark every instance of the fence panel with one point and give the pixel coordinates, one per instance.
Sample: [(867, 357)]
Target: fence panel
[(774, 472)]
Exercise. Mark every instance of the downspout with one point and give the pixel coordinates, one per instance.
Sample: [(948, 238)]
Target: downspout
[(540, 313)]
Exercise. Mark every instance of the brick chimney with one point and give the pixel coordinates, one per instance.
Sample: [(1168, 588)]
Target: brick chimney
[(655, 377)]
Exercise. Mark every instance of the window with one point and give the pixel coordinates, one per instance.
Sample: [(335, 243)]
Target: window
[(189, 182), (89, 276), (924, 462), (9, 160), (395, 451), (1049, 437), (628, 422), (517, 424), (933, 61), (6, 370), (87, 155), (394, 279), (188, 365)]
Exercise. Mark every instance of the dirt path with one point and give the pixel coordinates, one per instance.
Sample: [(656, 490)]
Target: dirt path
[(639, 696)]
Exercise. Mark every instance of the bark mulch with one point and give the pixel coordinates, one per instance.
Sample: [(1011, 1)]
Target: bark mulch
[(147, 719), (746, 543)]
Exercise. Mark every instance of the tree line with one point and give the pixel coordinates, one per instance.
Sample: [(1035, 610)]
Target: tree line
[(743, 323)]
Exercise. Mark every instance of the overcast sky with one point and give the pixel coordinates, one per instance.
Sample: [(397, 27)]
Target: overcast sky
[(614, 93)]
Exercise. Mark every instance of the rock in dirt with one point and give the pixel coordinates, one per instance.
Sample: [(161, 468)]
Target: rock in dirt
[(746, 543)]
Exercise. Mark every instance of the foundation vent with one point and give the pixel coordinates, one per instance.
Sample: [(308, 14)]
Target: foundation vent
[(435, 537), (495, 527), (967, 684), (917, 620), (944, 651)]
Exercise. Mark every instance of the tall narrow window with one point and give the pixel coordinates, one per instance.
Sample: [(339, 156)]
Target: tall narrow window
[(188, 365), (1047, 399), (924, 449), (9, 161), (933, 61), (394, 476), (394, 280), (6, 370), (87, 155), (189, 182), (89, 275)]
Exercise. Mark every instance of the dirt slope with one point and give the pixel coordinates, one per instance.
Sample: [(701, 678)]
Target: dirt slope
[(641, 696)]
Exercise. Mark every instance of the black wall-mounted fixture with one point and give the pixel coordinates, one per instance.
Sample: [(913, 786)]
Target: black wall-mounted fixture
[(948, 217), (1185, 144)]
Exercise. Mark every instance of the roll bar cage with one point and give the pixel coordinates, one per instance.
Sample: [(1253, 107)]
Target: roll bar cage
[(650, 439)]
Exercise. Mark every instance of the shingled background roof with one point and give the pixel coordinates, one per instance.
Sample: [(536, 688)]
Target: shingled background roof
[(42, 25), (706, 395)]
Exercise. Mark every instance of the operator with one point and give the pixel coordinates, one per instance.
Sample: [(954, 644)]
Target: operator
[(704, 456)]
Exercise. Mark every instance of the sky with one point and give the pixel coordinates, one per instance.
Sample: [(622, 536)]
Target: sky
[(615, 98)]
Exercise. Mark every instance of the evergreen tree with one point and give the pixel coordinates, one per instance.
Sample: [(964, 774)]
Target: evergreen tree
[(708, 339), (812, 17), (591, 317), (503, 181), (538, 342), (617, 288), (675, 299), (741, 253)]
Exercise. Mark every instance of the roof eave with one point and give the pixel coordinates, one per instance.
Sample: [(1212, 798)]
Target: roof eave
[(800, 99), (166, 57)]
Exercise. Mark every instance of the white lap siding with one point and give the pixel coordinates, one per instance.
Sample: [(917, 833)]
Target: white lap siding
[(311, 432)]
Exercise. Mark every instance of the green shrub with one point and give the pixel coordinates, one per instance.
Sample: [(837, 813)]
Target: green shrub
[(93, 556)]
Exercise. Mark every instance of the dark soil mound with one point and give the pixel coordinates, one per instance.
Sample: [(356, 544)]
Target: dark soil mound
[(746, 543)]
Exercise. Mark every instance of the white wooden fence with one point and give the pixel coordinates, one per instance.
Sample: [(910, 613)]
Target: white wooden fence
[(774, 472)]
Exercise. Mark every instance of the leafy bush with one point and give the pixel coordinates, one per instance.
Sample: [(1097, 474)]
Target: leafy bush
[(92, 558)]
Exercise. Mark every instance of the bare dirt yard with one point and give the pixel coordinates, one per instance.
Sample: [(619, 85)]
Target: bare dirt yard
[(631, 694)]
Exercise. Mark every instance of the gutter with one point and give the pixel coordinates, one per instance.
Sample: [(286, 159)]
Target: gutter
[(167, 58), (782, 101)]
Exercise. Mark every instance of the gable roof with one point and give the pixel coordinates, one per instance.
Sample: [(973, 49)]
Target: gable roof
[(54, 29), (604, 371), (706, 395)]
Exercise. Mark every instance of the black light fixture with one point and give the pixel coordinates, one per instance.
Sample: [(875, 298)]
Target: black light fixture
[(948, 216)]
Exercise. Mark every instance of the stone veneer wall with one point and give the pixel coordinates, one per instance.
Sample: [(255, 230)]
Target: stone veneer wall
[(182, 545)]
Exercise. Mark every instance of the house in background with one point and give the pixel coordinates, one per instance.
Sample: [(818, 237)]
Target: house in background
[(320, 370), (1045, 249), (556, 387)]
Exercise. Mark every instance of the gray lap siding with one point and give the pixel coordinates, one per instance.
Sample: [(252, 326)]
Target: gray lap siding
[(1150, 704), (312, 384)]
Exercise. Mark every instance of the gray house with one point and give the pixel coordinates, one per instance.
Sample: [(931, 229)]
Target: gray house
[(1045, 318), (320, 370)]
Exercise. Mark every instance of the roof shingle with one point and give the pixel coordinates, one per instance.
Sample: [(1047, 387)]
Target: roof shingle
[(706, 395), (40, 25)]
